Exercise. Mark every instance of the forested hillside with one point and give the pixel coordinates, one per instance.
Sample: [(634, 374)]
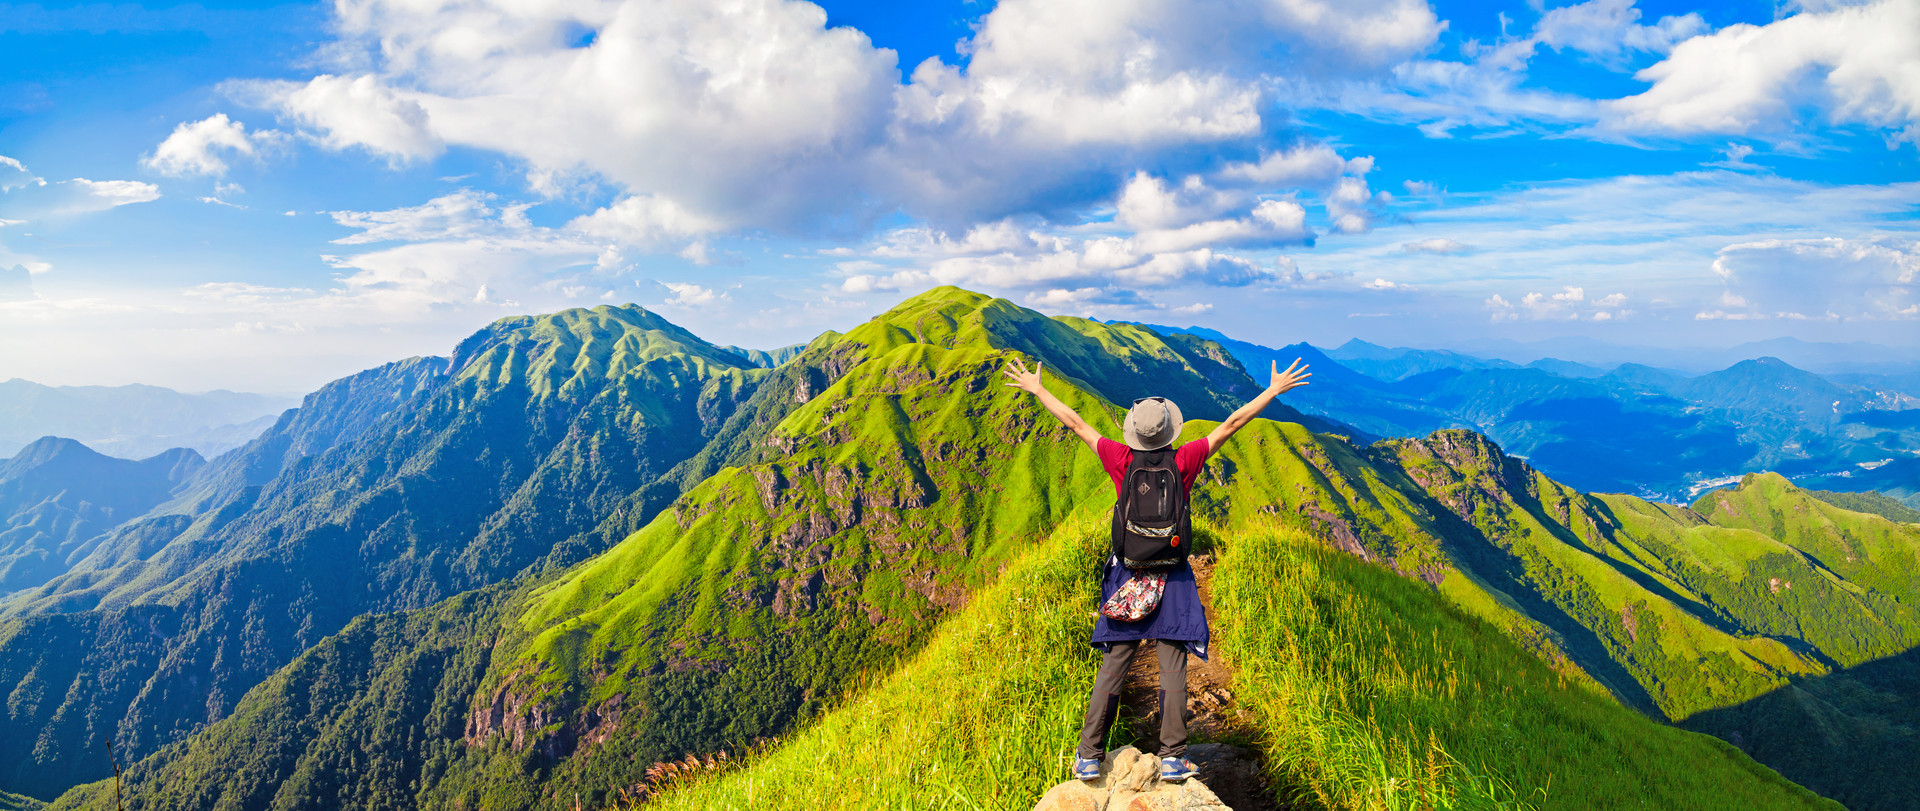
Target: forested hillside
[(390, 490)]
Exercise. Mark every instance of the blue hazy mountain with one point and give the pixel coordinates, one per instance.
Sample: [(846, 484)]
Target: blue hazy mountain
[(1630, 427), (133, 422), (58, 496)]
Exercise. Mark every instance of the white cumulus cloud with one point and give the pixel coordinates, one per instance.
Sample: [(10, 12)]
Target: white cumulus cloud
[(1608, 29), (193, 148), (1830, 277), (757, 115), (1853, 64)]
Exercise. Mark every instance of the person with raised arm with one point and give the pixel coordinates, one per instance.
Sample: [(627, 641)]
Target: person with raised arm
[(1148, 591)]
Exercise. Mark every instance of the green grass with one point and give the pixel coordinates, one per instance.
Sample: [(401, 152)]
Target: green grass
[(986, 715), (1372, 692), (1367, 690)]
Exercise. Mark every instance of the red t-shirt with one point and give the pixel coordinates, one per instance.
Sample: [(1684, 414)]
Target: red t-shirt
[(1189, 458)]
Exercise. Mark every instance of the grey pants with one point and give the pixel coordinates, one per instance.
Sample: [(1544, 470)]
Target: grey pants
[(1105, 701)]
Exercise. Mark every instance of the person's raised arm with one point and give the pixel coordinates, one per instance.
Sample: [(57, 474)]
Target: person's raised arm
[(1281, 382), (1029, 382)]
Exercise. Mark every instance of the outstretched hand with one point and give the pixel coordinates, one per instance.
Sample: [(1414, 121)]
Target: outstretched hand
[(1024, 380), (1294, 377)]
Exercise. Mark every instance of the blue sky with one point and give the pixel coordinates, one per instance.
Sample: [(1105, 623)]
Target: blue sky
[(267, 196)]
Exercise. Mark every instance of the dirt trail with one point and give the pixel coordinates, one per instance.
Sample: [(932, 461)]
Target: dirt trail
[(1231, 771)]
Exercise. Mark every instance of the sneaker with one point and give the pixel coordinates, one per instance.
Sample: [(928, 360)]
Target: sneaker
[(1175, 769), (1086, 768)]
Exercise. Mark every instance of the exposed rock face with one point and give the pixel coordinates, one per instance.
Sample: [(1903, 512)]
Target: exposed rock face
[(1130, 781)]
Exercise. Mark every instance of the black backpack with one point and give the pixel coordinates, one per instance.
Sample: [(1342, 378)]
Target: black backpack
[(1150, 526)]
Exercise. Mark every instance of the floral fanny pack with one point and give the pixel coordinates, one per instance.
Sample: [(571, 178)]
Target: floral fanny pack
[(1136, 598)]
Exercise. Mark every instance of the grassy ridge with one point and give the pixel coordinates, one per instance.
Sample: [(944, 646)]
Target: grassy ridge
[(1368, 690), (1870, 502), (1677, 610), (1853, 735), (986, 715), (1373, 692)]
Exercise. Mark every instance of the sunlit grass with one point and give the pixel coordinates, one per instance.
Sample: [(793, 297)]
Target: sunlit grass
[(1370, 692), (1365, 689), (985, 716)]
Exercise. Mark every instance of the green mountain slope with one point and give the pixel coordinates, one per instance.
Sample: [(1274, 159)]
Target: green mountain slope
[(1853, 735), (1873, 503), (19, 802), (432, 483), (57, 497), (904, 477), (1691, 605), (1453, 714), (137, 555), (768, 358)]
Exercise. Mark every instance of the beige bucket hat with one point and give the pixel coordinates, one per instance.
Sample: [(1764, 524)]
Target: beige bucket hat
[(1152, 424)]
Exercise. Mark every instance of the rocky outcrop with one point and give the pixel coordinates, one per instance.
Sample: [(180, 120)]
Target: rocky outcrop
[(1130, 781)]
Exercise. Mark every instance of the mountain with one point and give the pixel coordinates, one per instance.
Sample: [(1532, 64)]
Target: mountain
[(1893, 382), (881, 499), (1769, 387), (548, 440), (1339, 393), (1636, 428), (1386, 364), (404, 485), (1852, 356), (56, 495), (1643, 378), (1567, 368), (768, 358), (1871, 503), (828, 542), (133, 422)]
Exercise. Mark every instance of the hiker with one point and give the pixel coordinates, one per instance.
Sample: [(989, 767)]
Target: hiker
[(1148, 590)]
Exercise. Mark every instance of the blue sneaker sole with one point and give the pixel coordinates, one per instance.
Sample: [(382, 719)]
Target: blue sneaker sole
[(1176, 777)]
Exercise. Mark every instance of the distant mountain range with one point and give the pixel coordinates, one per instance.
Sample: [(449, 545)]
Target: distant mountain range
[(1630, 428), (591, 542), (133, 422)]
